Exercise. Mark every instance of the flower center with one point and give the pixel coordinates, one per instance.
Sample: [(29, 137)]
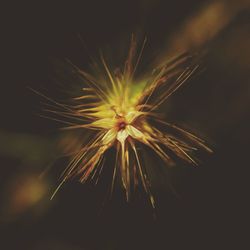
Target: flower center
[(121, 124)]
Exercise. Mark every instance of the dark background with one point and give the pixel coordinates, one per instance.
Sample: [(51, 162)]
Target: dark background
[(210, 212)]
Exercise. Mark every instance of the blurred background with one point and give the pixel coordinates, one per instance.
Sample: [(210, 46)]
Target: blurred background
[(209, 211)]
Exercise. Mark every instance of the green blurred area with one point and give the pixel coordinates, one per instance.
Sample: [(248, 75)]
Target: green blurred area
[(30, 150)]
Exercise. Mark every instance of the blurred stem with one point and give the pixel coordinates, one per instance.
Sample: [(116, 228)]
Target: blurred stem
[(30, 149)]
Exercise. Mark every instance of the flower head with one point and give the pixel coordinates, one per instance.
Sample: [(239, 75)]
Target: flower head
[(122, 111)]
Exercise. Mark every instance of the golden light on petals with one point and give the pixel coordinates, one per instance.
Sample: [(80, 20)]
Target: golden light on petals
[(121, 112)]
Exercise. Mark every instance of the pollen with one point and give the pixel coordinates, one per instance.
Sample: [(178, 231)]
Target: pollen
[(121, 125)]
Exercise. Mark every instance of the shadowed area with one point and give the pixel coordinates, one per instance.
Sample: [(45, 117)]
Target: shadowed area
[(196, 207)]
